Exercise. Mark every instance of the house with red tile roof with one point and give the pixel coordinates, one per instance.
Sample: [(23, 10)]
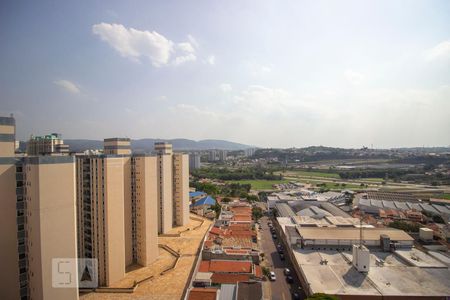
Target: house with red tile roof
[(203, 294)]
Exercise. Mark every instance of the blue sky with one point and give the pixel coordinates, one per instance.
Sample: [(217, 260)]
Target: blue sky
[(266, 73)]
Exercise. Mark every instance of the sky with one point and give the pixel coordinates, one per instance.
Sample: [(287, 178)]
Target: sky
[(263, 73)]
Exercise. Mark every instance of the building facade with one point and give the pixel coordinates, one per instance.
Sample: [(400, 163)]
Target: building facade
[(194, 161), (38, 220), (106, 207), (47, 145)]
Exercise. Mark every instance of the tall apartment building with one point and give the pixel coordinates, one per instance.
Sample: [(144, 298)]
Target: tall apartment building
[(11, 285), (119, 146), (194, 161), (124, 201), (217, 155), (105, 207), (38, 220), (249, 152), (173, 187), (47, 145), (117, 212)]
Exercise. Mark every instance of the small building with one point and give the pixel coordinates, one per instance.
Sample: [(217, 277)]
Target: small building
[(204, 202)]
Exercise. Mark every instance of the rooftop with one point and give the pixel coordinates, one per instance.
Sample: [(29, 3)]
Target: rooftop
[(202, 294), (229, 278), (249, 291), (352, 233), (196, 194), (225, 266), (392, 278), (208, 200)]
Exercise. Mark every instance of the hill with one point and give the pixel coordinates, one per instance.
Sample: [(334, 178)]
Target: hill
[(146, 145)]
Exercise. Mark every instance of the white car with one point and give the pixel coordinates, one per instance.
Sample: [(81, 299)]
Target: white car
[(272, 276)]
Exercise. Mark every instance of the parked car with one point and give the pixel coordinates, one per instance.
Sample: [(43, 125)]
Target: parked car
[(280, 251), (272, 276), (287, 271), (289, 279), (274, 236), (281, 256), (295, 296), (279, 246)]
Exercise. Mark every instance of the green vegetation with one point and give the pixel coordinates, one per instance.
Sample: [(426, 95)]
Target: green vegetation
[(336, 186), (238, 174), (209, 188), (261, 184), (217, 208), (257, 213), (307, 173), (405, 226), (265, 270), (442, 196)]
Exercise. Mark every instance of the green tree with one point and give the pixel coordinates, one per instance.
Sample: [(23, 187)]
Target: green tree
[(217, 208), (257, 213), (322, 296), (226, 200)]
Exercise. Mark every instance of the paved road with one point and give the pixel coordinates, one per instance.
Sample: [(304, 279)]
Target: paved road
[(280, 288)]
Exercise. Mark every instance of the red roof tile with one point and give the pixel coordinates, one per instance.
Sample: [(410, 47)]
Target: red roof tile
[(202, 294), (204, 266), (229, 278), (258, 271), (225, 266), (216, 231)]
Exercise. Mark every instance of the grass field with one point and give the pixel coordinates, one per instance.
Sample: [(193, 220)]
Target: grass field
[(260, 184), (311, 174), (442, 196), (348, 186)]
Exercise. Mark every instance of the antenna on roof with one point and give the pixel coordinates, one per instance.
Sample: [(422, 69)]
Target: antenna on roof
[(360, 229)]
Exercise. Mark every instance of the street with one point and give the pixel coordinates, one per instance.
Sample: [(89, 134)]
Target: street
[(281, 289)]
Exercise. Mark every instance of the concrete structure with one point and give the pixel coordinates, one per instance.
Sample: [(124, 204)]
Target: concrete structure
[(38, 220), (361, 258), (173, 187), (194, 161), (90, 206), (117, 146), (249, 152), (217, 155), (426, 234), (47, 145), (12, 229), (337, 237), (390, 273), (50, 223)]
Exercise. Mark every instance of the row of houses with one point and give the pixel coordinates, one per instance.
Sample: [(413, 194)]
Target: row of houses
[(228, 267)]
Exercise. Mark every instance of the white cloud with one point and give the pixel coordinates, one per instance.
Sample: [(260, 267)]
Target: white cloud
[(211, 60), (225, 87), (183, 59), (68, 86), (353, 77), (186, 47), (193, 41), (439, 52), (257, 97), (194, 110), (135, 44)]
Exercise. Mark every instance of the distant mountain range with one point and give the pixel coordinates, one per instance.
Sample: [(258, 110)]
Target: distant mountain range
[(146, 145)]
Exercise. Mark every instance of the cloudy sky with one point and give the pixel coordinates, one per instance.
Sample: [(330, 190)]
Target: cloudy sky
[(265, 73)]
